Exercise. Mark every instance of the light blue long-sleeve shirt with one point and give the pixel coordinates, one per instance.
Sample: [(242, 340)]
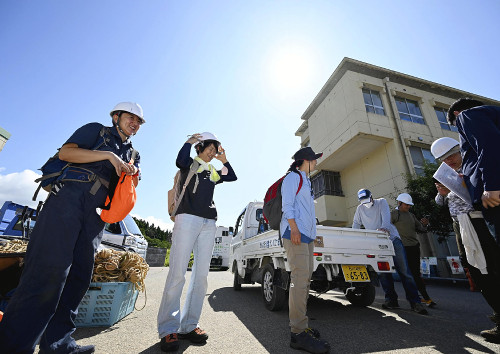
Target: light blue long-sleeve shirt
[(376, 217), (299, 207)]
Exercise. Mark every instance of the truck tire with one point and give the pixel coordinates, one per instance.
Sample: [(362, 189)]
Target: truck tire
[(236, 281), (274, 296), (361, 295)]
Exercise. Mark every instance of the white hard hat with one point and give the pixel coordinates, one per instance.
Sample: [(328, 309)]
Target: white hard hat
[(130, 107), (405, 198), (444, 147), (207, 136)]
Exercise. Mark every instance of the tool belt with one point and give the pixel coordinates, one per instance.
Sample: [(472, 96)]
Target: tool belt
[(82, 175)]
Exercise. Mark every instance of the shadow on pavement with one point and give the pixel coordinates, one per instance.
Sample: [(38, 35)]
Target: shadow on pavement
[(349, 329)]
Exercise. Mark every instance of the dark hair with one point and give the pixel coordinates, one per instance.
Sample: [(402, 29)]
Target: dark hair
[(461, 105), (206, 143), (295, 165)]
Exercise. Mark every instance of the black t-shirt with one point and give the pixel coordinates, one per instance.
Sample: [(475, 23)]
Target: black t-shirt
[(201, 202)]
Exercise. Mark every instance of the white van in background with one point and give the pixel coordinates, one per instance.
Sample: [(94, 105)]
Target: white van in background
[(222, 247), (125, 234)]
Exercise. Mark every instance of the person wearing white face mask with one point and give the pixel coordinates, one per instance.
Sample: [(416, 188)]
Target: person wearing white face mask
[(374, 214)]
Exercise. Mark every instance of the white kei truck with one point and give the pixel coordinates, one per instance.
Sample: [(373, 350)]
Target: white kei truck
[(344, 258), (220, 253)]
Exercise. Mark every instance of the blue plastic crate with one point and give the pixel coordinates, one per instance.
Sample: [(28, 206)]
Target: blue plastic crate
[(104, 304)]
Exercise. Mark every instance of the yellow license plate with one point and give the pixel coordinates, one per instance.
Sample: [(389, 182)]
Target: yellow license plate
[(357, 273)]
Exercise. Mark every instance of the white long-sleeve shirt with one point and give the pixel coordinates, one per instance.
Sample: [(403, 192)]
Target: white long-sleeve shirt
[(376, 217)]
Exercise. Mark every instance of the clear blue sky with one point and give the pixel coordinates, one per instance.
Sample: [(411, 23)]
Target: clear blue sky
[(244, 70)]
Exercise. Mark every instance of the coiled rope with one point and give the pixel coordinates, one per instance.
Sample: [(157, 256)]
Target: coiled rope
[(14, 246), (119, 266), (111, 266)]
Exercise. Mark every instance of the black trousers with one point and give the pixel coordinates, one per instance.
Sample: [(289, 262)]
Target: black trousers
[(413, 257), (492, 217), (489, 284)]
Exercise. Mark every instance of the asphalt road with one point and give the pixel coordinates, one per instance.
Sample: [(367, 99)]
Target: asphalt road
[(237, 322)]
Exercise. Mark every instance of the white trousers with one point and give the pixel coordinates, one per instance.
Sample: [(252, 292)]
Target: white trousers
[(196, 234)]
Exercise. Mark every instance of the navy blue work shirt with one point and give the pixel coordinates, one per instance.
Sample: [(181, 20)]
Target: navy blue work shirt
[(479, 130), (201, 202), (88, 137)]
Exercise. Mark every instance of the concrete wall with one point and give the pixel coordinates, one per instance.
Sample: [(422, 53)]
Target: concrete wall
[(155, 257)]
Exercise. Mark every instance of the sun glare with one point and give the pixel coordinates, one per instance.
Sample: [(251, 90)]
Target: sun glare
[(290, 69)]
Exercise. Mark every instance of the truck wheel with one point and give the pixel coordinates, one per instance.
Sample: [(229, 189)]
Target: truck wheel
[(361, 296), (274, 296), (236, 281)]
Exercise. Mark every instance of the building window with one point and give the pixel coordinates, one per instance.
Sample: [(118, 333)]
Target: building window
[(409, 110), (419, 157), (373, 102), (326, 183), (441, 114)]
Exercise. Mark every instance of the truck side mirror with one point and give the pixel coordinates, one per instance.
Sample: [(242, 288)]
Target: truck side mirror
[(231, 229)]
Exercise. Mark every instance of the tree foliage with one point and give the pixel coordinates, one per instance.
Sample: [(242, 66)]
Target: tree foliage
[(423, 192), (155, 236)]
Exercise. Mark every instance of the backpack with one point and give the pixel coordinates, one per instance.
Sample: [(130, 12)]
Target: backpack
[(121, 199), (272, 202), (177, 192), (54, 167)]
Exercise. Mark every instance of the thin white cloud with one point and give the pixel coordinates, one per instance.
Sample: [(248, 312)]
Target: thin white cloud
[(2, 169), (19, 187), (153, 220)]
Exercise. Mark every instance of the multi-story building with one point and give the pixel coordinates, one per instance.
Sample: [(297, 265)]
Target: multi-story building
[(374, 126), (4, 136)]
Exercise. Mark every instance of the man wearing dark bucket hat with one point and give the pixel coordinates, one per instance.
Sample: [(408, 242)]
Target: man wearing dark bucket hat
[(298, 230)]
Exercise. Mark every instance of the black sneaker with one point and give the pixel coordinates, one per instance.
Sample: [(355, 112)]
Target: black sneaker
[(429, 303), (314, 332), (85, 349), (169, 343), (389, 305), (306, 341), (197, 335), (418, 308), (492, 335)]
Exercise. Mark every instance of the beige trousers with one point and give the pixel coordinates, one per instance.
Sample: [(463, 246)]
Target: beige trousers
[(301, 261)]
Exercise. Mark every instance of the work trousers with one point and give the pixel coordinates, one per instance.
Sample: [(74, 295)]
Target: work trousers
[(57, 273), (492, 218), (413, 258), (301, 261), (489, 284), (401, 265), (190, 233)]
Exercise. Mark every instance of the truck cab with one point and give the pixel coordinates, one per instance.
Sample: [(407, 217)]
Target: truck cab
[(127, 234)]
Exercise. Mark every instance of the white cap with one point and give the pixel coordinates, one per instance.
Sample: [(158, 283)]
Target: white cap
[(405, 198), (130, 107), (206, 136), (444, 147)]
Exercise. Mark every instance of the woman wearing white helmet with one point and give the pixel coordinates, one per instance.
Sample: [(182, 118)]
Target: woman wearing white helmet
[(408, 226), (194, 231), (60, 257), (447, 150)]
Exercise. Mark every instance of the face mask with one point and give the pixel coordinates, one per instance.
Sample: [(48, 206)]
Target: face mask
[(368, 205)]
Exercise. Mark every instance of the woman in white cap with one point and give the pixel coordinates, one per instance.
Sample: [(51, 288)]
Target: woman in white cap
[(194, 231)]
